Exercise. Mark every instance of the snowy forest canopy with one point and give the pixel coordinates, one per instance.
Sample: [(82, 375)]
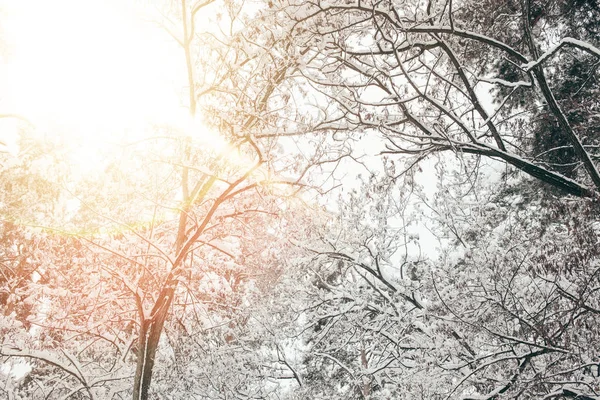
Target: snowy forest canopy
[(366, 200)]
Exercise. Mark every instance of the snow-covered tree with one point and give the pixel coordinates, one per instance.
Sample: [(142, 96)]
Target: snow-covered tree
[(417, 77)]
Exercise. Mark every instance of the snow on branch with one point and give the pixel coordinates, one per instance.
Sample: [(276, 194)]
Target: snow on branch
[(70, 368), (585, 46)]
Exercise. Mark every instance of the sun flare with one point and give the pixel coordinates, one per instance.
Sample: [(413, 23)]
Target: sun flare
[(94, 71)]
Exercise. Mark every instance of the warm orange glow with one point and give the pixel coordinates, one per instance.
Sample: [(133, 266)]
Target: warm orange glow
[(92, 76)]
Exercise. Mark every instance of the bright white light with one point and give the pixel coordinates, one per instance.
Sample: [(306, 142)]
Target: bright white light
[(93, 67)]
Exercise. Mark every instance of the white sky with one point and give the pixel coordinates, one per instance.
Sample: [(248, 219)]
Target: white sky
[(89, 69)]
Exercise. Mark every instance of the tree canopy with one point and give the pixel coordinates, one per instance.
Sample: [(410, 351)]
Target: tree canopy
[(360, 200)]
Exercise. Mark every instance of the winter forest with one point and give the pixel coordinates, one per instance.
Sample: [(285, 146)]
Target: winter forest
[(300, 199)]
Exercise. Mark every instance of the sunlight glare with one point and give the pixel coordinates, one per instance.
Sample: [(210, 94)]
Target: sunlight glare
[(203, 136), (96, 68)]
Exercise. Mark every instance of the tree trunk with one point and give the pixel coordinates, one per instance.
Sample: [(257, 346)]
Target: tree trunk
[(149, 337)]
